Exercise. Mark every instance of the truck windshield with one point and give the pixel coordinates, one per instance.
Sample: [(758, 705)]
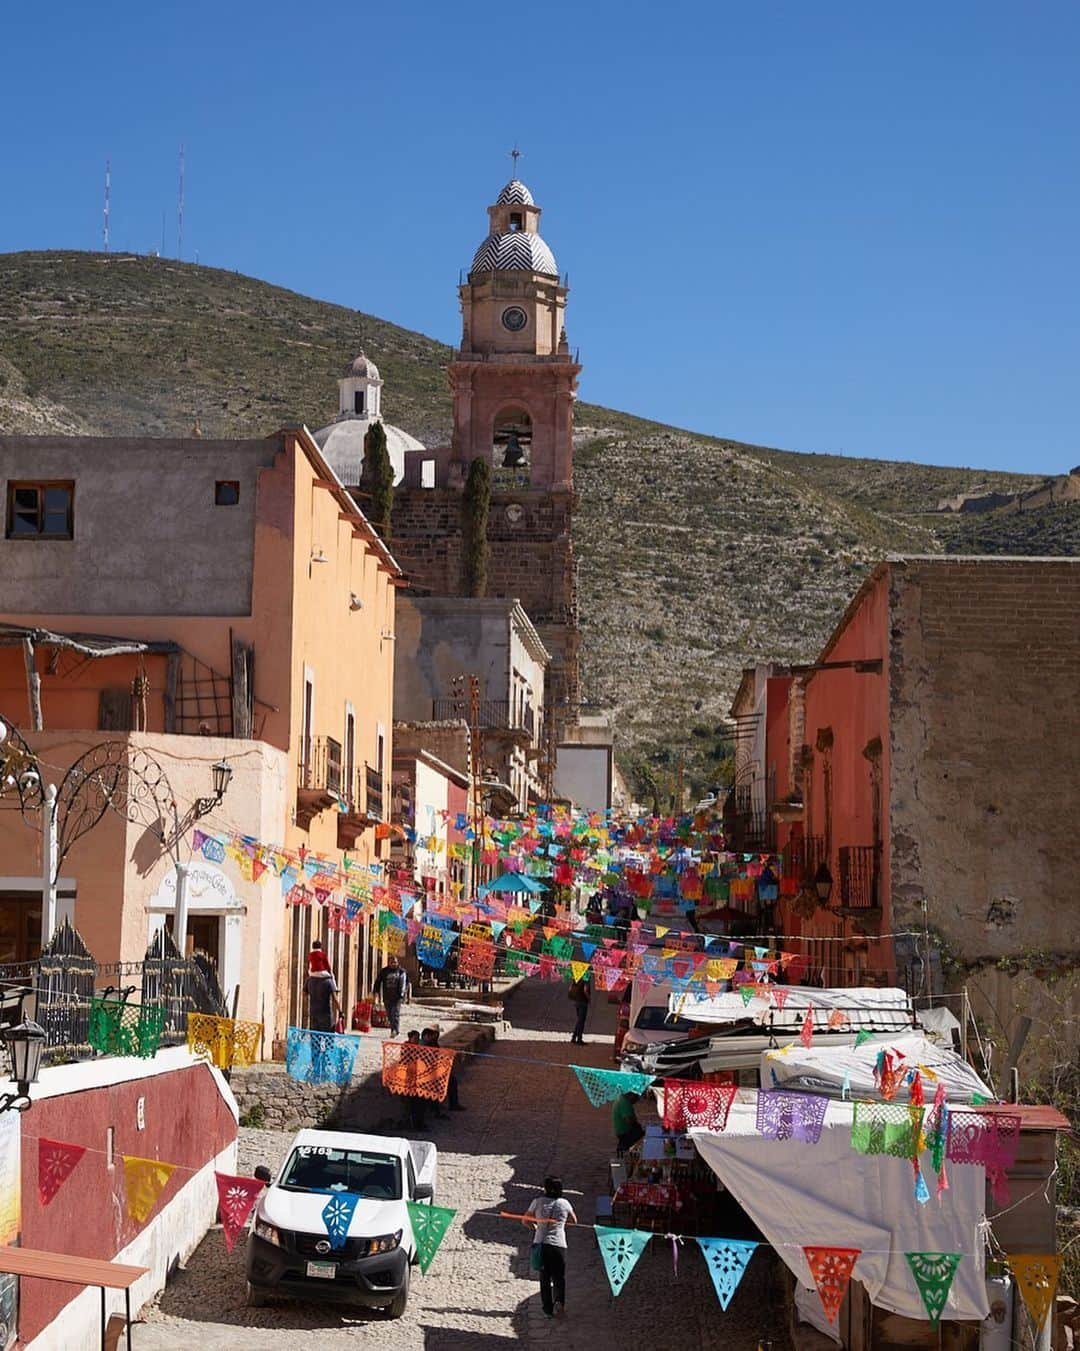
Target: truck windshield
[(315, 1168), (655, 1018)]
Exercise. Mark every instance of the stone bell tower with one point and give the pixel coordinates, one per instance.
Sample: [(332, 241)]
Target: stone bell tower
[(513, 382), (513, 379)]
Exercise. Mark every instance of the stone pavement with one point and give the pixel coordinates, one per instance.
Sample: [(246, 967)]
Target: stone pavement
[(526, 1117)]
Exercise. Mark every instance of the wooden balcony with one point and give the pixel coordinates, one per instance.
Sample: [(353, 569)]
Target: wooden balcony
[(318, 780), (860, 885), (361, 804)]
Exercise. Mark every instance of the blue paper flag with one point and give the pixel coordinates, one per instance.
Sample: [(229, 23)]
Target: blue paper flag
[(726, 1259), (320, 1057), (337, 1216), (620, 1249)]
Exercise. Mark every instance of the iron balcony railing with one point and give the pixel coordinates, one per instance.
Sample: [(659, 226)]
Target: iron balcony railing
[(860, 876), (496, 715), (374, 793), (321, 766)]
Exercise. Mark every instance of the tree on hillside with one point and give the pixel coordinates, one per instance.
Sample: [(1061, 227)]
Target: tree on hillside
[(377, 479), (475, 501)]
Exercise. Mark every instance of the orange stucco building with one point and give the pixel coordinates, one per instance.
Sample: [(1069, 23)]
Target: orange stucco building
[(197, 600)]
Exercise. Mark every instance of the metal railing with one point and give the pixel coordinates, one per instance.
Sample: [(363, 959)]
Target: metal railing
[(860, 875), (495, 715), (320, 768), (373, 793), (57, 988)]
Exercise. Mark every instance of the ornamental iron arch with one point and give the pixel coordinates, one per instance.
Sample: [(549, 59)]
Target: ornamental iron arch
[(114, 776)]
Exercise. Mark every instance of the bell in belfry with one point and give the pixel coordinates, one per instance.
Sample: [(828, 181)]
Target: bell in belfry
[(515, 456)]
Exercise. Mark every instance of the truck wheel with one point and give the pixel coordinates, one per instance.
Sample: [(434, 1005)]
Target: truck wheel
[(397, 1308), (256, 1298)]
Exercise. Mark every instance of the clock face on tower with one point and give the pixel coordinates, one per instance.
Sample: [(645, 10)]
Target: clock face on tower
[(514, 318)]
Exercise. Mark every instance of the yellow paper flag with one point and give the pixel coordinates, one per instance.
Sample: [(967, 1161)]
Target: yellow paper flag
[(578, 970), (661, 930), (1037, 1276), (146, 1179)]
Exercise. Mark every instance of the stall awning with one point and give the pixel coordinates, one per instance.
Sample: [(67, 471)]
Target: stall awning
[(832, 1069), (830, 1194), (869, 1008)]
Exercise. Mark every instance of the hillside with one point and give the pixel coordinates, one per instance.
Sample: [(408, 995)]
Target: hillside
[(698, 555)]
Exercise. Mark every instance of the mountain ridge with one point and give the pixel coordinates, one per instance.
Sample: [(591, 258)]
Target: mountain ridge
[(771, 542)]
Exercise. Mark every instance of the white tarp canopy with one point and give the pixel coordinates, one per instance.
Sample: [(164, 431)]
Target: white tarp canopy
[(877, 1010), (829, 1194), (824, 1069)]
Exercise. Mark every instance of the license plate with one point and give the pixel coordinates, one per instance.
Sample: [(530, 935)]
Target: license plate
[(324, 1270)]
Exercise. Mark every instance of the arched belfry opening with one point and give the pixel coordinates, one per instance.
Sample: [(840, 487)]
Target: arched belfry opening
[(512, 439)]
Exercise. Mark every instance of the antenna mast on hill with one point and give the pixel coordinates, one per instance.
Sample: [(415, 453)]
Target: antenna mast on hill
[(108, 192), (180, 208)]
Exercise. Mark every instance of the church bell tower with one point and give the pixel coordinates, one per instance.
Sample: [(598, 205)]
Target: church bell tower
[(513, 378)]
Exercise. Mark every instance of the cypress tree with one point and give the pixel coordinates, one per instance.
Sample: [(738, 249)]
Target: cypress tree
[(377, 479), (475, 501)]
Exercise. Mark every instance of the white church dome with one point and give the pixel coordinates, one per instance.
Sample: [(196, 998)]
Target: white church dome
[(342, 445), (515, 251)]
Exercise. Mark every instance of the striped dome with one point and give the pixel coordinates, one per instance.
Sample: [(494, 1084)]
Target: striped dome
[(515, 194), (516, 251)]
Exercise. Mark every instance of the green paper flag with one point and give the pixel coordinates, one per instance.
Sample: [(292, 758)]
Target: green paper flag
[(933, 1272), (429, 1224), (747, 992), (620, 1249), (977, 1099), (863, 1037)]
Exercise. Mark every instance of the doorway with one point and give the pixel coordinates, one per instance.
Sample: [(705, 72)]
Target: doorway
[(204, 935), (20, 926)]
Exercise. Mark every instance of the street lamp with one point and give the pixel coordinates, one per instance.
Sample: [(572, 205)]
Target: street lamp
[(26, 1045), (823, 883), (222, 774)]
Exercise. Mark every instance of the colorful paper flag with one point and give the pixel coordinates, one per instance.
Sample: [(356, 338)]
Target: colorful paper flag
[(933, 1272), (726, 1259), (337, 1216), (145, 1180), (620, 1250), (429, 1225), (56, 1162), (236, 1200), (1037, 1276), (831, 1269), (602, 1086)]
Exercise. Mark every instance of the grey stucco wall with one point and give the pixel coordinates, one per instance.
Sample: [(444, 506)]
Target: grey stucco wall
[(438, 638), (985, 762), (148, 537)]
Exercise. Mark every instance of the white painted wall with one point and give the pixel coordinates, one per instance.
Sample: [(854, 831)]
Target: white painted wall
[(584, 774)]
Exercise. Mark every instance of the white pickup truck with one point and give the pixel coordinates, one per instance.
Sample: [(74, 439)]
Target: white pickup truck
[(289, 1251)]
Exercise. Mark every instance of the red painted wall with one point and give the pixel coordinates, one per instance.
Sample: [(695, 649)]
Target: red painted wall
[(186, 1123), (856, 707)]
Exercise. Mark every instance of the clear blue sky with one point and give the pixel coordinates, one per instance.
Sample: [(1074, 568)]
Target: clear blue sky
[(827, 226)]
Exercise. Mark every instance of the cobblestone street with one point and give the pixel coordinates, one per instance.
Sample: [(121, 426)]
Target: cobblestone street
[(523, 1119)]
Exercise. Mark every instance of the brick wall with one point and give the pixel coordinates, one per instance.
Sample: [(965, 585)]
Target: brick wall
[(531, 560)]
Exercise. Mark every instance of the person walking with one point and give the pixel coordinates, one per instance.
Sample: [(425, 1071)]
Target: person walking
[(549, 1214), (578, 994), (321, 998), (392, 987)]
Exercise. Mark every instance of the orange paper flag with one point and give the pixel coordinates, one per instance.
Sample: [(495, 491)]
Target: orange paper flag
[(831, 1269)]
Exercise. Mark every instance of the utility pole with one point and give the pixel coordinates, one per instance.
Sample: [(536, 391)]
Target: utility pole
[(108, 194), (180, 212)]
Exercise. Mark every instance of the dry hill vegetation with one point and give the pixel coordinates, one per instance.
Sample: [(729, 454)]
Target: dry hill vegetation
[(697, 555)]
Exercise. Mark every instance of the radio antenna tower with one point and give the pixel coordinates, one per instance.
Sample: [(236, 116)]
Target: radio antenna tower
[(108, 192), (180, 208)]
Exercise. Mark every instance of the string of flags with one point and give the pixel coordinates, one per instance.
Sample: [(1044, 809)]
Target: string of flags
[(831, 1268)]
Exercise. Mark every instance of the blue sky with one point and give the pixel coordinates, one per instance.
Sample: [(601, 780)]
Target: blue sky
[(837, 227)]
